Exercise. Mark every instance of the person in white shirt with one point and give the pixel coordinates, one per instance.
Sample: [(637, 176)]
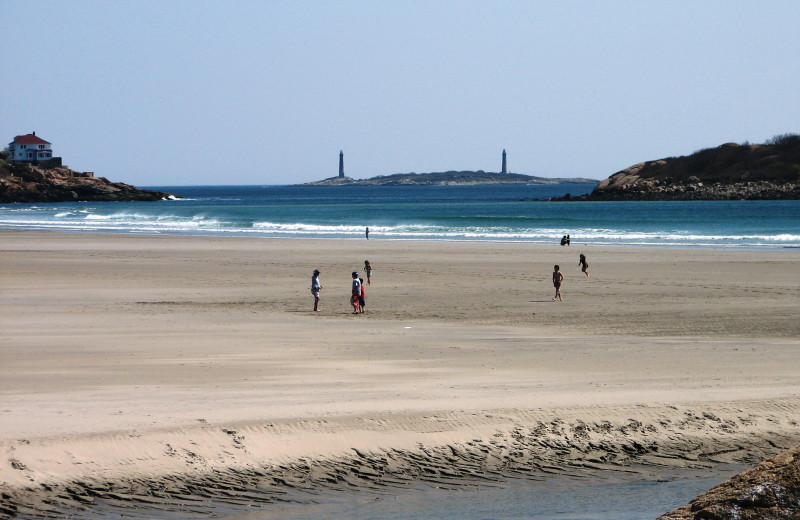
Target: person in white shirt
[(355, 296), (315, 288)]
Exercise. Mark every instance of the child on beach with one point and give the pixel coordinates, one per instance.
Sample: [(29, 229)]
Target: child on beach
[(355, 294), (315, 288), (368, 269), (362, 302), (583, 264), (558, 277)]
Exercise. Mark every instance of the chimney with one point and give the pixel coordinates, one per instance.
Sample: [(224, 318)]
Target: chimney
[(34, 132)]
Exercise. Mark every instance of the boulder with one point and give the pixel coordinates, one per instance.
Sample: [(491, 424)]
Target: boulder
[(771, 490)]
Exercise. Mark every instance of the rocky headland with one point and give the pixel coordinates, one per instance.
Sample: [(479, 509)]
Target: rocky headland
[(731, 171), (769, 490), (24, 182), (449, 178)]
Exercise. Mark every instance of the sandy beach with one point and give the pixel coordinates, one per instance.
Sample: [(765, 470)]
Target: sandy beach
[(174, 367)]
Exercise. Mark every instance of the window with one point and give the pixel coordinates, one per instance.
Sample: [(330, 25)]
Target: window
[(41, 147)]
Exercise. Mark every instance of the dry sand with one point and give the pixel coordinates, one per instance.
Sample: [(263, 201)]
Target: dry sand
[(176, 367)]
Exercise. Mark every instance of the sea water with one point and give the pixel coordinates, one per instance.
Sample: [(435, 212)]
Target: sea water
[(554, 498), (559, 499), (503, 213)]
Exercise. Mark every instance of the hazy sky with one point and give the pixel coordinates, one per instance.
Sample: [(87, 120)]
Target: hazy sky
[(268, 92)]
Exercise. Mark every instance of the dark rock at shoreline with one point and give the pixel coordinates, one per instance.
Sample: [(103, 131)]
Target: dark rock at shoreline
[(450, 178), (24, 182), (770, 490), (645, 191), (729, 172)]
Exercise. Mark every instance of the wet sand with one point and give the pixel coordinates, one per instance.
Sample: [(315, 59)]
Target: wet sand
[(167, 368)]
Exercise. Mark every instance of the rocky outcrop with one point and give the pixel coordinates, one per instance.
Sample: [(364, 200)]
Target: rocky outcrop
[(332, 181), (626, 185), (450, 178), (728, 172), (23, 182), (770, 490)]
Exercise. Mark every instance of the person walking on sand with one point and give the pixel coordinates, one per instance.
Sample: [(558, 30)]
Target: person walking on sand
[(362, 302), (558, 277), (315, 288), (583, 264), (368, 269), (355, 294)]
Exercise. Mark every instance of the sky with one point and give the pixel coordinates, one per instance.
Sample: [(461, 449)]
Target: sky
[(174, 93)]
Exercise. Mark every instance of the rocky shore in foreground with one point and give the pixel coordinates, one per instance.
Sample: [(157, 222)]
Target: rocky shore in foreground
[(24, 182), (769, 490)]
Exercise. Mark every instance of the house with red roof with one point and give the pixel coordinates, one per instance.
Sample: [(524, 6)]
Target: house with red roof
[(29, 148)]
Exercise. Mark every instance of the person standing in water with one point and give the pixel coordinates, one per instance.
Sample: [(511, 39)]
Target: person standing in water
[(315, 288), (583, 264), (558, 277), (367, 233)]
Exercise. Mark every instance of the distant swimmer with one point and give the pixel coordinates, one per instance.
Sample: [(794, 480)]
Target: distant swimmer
[(584, 265), (558, 277)]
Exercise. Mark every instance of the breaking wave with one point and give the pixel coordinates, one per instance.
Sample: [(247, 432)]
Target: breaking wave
[(484, 213)]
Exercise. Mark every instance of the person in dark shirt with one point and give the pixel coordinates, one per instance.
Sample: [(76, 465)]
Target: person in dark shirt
[(583, 264)]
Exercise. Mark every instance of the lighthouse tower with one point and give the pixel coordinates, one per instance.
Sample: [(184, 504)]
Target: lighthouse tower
[(341, 164), (505, 167)]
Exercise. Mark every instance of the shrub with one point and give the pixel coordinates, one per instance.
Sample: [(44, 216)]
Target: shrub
[(784, 141)]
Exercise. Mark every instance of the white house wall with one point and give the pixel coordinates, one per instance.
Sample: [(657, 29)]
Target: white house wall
[(30, 152)]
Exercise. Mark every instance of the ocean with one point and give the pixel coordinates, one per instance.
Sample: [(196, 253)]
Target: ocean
[(502, 213)]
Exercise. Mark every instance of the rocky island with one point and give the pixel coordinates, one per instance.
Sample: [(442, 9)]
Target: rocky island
[(449, 178), (27, 182), (769, 171)]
